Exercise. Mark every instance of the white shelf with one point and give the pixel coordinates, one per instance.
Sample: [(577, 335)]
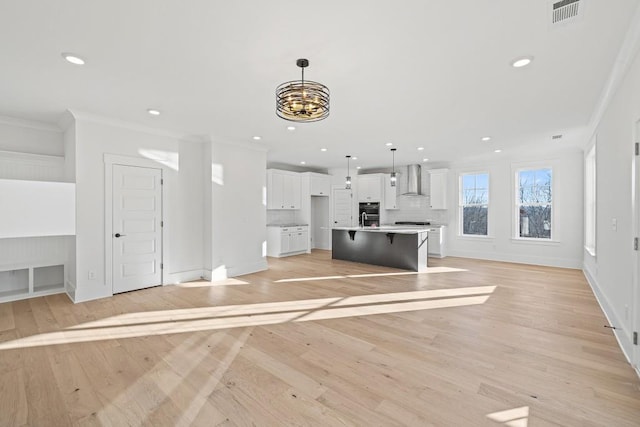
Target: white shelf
[(31, 281)]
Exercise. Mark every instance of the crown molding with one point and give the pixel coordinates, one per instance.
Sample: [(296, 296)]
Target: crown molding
[(29, 124), (90, 117), (624, 60), (241, 144)]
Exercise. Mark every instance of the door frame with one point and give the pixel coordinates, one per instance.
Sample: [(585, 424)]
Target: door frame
[(109, 161), (332, 204), (635, 227)]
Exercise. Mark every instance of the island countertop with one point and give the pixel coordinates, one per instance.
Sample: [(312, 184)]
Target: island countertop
[(388, 229)]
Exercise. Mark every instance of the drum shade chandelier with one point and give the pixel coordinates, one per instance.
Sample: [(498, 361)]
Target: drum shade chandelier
[(302, 100)]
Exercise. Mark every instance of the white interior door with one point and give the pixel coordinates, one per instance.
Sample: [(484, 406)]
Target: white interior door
[(320, 229), (342, 207), (137, 231)]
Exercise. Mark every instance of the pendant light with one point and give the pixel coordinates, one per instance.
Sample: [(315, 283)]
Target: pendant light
[(302, 100), (394, 178), (347, 182)]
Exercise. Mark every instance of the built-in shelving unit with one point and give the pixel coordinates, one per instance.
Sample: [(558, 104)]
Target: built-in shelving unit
[(37, 225), (19, 281)]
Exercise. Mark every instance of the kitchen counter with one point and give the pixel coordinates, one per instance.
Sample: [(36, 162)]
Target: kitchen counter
[(287, 225), (398, 229), (393, 246)]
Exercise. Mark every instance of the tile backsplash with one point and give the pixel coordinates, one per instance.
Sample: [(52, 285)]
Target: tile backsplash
[(282, 216), (416, 208)]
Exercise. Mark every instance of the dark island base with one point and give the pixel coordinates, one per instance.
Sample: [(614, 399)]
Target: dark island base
[(398, 250)]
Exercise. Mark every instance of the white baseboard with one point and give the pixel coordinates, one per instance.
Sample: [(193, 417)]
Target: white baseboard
[(70, 289), (624, 340), (222, 273), (521, 259), (183, 276), (248, 268)]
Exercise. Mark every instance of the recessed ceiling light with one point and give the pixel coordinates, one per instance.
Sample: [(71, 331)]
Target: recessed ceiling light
[(522, 61), (425, 160), (303, 162), (358, 167), (257, 138), (73, 59), (153, 112), (291, 128), (354, 158), (497, 151), (389, 144), (420, 148), (323, 149), (486, 138)]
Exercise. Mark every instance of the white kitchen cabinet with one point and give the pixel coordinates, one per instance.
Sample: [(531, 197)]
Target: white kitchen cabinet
[(320, 184), (390, 193), (370, 187), (287, 240), (436, 246), (438, 188), (283, 189)]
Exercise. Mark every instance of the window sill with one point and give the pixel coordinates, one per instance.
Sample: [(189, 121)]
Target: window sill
[(526, 241), (474, 238)]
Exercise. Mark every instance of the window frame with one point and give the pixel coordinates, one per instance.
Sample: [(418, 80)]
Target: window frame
[(517, 204), (461, 206)]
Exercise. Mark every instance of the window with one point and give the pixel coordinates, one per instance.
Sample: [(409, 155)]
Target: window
[(533, 203), (474, 204), (590, 201)]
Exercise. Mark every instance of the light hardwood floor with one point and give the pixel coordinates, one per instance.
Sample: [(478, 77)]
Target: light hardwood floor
[(314, 341)]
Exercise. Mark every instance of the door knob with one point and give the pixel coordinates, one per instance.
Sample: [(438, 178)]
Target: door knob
[(119, 235)]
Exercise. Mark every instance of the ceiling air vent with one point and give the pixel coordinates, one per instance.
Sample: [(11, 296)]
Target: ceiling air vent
[(566, 11)]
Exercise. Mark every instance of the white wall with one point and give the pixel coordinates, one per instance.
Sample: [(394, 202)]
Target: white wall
[(183, 211), (610, 272), (565, 249), (25, 136), (69, 142), (236, 211)]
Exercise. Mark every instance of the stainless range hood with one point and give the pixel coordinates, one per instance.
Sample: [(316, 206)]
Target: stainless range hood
[(413, 181)]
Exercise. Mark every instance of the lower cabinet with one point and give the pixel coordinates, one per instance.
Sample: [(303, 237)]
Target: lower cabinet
[(285, 241), (436, 244)]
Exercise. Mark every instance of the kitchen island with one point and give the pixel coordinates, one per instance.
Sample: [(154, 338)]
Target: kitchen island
[(398, 247)]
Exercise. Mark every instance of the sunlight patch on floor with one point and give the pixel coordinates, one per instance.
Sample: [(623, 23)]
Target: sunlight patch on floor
[(205, 284), (235, 316), (430, 270), (517, 417)]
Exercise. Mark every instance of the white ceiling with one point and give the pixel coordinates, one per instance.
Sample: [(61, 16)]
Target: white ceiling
[(416, 73)]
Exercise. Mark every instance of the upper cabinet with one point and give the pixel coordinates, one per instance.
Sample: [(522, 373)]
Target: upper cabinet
[(320, 184), (390, 193), (283, 189), (438, 187), (370, 187)]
